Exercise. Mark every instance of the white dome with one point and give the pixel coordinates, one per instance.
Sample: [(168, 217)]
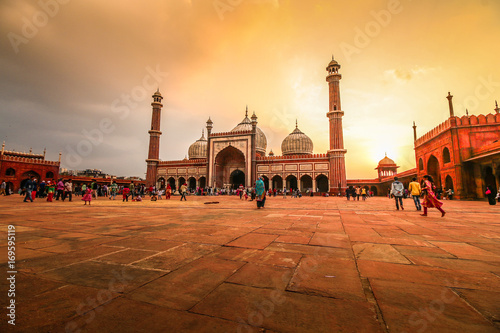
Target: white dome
[(297, 143), (199, 148)]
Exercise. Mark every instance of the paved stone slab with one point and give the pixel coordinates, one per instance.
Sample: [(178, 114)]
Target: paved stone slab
[(185, 287), (485, 302), (262, 276), (102, 275), (429, 275), (379, 252), (129, 316), (289, 312), (411, 307), (466, 251), (311, 250), (176, 256), (331, 239), (254, 241), (423, 251), (327, 277)]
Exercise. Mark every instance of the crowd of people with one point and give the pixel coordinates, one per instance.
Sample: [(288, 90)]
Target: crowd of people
[(424, 194)]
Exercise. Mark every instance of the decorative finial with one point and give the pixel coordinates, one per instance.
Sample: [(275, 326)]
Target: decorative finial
[(246, 111), (385, 154), (60, 153), (44, 151), (332, 56), (414, 123), (496, 104), (466, 112), (296, 123), (31, 150)]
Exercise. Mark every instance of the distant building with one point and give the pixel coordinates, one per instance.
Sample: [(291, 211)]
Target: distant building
[(17, 167)]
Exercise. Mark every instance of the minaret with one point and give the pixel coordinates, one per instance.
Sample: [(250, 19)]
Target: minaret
[(154, 140), (336, 153)]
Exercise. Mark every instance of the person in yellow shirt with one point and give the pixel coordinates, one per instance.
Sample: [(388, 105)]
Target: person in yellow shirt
[(415, 190)]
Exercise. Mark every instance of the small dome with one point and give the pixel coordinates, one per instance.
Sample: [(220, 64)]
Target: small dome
[(297, 143), (386, 161), (199, 148), (246, 125), (271, 153)]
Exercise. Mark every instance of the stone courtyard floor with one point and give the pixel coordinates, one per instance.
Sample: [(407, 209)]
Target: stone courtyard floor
[(299, 265)]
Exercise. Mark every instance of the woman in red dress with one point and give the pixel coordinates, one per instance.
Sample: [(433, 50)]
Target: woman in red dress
[(430, 199)]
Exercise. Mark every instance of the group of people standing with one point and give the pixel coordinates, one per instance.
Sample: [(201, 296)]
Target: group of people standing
[(425, 190), (61, 189)]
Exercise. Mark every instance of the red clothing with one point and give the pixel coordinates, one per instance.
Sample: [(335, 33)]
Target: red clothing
[(125, 192), (430, 199)]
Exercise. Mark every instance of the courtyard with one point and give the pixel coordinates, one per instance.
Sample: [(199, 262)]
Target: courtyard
[(298, 265)]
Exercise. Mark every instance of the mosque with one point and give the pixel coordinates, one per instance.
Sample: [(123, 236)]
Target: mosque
[(228, 159)]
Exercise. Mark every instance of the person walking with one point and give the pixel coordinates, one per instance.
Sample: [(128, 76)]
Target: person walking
[(51, 188), (491, 195), (87, 197), (125, 193), (168, 192), (430, 199), (132, 189), (260, 193), (94, 187), (183, 190), (3, 186), (415, 191), (363, 193), (358, 192), (113, 189), (284, 192), (68, 190), (397, 189), (29, 187)]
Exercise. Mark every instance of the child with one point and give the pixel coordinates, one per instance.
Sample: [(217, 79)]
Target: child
[(125, 192), (50, 190), (87, 196), (138, 198)]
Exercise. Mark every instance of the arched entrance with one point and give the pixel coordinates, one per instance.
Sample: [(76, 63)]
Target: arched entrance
[(161, 183), (192, 183), (27, 176), (237, 178), (291, 182), (489, 179), (374, 190), (9, 188), (203, 182), (171, 182), (49, 175), (227, 161), (266, 182), (277, 182), (181, 182), (10, 172), (306, 183), (448, 183), (434, 170), (322, 183)]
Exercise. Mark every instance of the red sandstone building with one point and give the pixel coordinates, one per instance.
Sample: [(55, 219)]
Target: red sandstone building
[(16, 167), (462, 153)]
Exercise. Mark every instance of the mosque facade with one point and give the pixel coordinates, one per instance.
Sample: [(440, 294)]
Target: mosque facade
[(239, 156)]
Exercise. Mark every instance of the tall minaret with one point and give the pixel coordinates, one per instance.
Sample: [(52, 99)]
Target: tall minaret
[(154, 140), (336, 153)]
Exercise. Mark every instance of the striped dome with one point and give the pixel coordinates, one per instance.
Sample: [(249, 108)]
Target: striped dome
[(297, 143)]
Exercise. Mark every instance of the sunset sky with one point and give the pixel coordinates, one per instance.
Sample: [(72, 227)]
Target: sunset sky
[(76, 68)]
